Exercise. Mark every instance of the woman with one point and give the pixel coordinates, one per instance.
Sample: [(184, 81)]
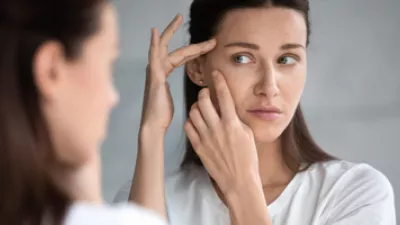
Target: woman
[(250, 158), (56, 93)]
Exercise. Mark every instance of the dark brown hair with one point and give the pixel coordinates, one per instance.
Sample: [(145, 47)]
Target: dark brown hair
[(27, 193), (298, 146)]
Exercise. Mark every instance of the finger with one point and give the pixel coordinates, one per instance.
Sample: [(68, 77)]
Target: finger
[(225, 100), (192, 134), (197, 120), (207, 108), (183, 55), (170, 30), (154, 59)]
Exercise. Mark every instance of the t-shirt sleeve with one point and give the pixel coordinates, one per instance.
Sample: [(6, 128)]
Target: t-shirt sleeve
[(366, 197), (123, 193), (122, 214)]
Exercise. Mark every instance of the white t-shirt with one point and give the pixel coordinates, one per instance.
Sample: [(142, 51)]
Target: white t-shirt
[(122, 214), (331, 193)]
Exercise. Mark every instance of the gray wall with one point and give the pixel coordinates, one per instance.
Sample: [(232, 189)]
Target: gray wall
[(352, 97)]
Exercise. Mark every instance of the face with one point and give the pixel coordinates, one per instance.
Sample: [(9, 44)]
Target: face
[(79, 94), (262, 54)]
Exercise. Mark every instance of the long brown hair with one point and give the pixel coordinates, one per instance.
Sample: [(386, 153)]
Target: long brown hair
[(27, 194), (298, 146)]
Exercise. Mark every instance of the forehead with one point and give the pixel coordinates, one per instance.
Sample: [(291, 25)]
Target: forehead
[(263, 25), (106, 38)]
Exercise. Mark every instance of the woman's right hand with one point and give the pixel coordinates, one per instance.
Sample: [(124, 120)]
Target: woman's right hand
[(158, 107)]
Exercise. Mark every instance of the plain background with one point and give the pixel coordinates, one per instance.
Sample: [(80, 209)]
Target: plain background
[(351, 99)]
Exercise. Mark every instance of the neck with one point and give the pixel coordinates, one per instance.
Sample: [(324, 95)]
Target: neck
[(272, 167), (81, 183)]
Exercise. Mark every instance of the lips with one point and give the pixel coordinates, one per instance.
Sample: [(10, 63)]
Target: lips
[(268, 113)]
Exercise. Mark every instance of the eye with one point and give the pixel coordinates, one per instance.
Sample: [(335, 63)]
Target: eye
[(242, 59), (286, 60)]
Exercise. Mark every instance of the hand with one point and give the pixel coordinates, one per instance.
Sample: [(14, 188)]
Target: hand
[(157, 103), (224, 144)]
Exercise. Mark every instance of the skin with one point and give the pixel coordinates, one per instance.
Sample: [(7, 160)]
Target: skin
[(148, 182), (240, 151), (76, 92), (262, 67)]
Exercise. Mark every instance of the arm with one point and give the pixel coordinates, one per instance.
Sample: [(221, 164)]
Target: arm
[(148, 183)]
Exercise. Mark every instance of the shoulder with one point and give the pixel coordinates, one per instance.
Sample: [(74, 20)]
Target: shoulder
[(123, 214), (356, 192), (348, 174)]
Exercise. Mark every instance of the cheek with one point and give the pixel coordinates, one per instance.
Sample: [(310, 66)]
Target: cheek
[(93, 96), (291, 87), (98, 89)]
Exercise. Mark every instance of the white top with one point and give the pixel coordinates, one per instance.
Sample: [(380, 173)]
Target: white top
[(331, 193), (122, 214)]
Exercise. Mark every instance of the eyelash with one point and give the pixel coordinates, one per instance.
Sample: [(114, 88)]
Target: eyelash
[(241, 55), (294, 56)]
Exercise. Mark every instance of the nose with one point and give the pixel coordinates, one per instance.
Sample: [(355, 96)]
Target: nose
[(267, 84), (115, 97)]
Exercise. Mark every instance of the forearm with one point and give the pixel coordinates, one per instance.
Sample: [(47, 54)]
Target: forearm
[(148, 182), (247, 205)]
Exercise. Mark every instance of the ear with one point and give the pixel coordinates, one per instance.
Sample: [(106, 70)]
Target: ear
[(195, 71), (47, 68)]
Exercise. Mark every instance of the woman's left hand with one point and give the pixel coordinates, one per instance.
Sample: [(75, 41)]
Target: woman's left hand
[(224, 144)]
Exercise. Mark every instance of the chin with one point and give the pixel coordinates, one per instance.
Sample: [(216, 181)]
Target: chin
[(266, 133), (265, 136)]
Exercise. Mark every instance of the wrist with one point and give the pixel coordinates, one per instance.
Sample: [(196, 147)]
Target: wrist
[(151, 133), (247, 205), (250, 183), (151, 141)]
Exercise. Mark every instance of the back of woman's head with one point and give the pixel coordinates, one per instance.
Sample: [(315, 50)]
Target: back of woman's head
[(26, 155), (206, 19)]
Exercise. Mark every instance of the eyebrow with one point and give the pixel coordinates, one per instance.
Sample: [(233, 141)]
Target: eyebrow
[(257, 47)]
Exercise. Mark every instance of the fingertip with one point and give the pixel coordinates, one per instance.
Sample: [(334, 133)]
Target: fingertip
[(156, 32), (179, 16), (187, 124), (193, 106), (178, 20), (210, 44), (204, 93)]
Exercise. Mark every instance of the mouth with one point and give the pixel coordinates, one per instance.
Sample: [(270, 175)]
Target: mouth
[(268, 113)]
